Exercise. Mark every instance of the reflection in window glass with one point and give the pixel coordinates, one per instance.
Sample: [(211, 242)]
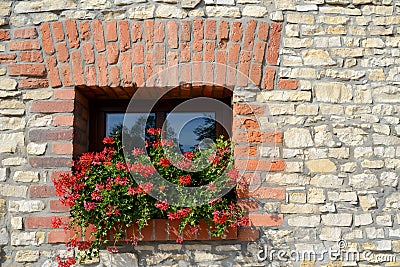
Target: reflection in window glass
[(114, 123), (190, 128)]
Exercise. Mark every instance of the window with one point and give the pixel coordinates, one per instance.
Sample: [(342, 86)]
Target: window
[(187, 126)]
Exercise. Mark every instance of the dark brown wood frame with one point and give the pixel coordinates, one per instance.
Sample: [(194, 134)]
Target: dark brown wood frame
[(99, 108)]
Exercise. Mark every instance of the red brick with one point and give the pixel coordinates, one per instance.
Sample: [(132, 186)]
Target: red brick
[(240, 151), (265, 219), (260, 165), (185, 31), (31, 56), (149, 65), (248, 205), (126, 68), (138, 54), (50, 135), (64, 94), (42, 191), (258, 137), (136, 31), (221, 58), (31, 83), (113, 53), (268, 79), (255, 73), (57, 206), (273, 44), (62, 52), (72, 33), (88, 53), (138, 74), (58, 31), (243, 69), (186, 74), (209, 73), (223, 31), (84, 30), (63, 120), (159, 32), (36, 222), (149, 33), (198, 32), (288, 84), (234, 52), (111, 31), (237, 28), (247, 234), (24, 45), (58, 236), (249, 35), (124, 39), (78, 69), (262, 193), (26, 70), (62, 148), (98, 35), (160, 229), (49, 106), (185, 52), (263, 29), (4, 58), (114, 78), (159, 53), (209, 52), (90, 73), (50, 162), (102, 70), (5, 35), (172, 32), (211, 30), (26, 33), (53, 72), (246, 109), (231, 74), (259, 51), (66, 74)]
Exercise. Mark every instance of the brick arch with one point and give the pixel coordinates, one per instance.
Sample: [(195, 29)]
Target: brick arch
[(111, 58), (125, 53)]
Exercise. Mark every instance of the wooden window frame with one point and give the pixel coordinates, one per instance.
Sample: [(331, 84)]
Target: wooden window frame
[(99, 108)]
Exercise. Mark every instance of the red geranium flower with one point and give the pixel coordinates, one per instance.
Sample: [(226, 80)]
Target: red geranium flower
[(108, 140), (164, 162), (185, 180)]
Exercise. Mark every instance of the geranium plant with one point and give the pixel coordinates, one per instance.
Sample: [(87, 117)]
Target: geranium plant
[(108, 191)]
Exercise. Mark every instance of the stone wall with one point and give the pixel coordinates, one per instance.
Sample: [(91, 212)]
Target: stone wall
[(333, 93)]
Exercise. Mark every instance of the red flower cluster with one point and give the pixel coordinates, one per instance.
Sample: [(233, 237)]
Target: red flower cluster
[(179, 214), (154, 131), (56, 222), (220, 217), (162, 205), (185, 180), (164, 162), (67, 263)]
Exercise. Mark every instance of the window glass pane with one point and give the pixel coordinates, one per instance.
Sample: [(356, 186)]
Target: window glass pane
[(190, 128), (114, 123)]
